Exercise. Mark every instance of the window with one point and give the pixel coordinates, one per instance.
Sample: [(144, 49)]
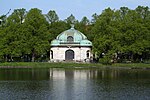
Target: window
[(88, 54), (70, 39), (51, 54)]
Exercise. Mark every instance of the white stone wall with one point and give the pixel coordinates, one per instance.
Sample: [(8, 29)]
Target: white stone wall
[(80, 53)]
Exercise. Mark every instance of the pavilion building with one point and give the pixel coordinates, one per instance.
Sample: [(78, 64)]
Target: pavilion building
[(71, 45)]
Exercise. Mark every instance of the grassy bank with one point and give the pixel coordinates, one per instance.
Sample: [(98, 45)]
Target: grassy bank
[(47, 65), (131, 65), (69, 65)]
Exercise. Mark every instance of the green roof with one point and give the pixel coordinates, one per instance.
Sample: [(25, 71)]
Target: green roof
[(71, 37)]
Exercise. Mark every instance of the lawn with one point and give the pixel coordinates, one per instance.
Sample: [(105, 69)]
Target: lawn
[(69, 65)]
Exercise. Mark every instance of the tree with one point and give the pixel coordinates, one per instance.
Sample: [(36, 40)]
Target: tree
[(52, 16), (105, 31), (56, 28), (71, 19), (37, 34), (11, 36), (85, 27), (143, 12), (121, 35), (85, 21), (94, 18), (3, 18), (122, 32)]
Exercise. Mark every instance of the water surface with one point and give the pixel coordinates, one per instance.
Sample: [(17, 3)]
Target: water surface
[(67, 84)]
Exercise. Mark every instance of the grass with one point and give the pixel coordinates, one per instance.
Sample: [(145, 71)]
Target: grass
[(132, 65), (68, 65), (47, 65)]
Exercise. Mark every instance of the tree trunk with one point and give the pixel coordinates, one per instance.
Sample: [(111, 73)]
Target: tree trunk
[(33, 56), (6, 59)]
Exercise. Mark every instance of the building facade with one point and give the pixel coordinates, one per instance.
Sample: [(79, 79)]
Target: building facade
[(71, 45)]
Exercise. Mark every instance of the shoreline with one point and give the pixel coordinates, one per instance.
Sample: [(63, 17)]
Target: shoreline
[(78, 68), (73, 65)]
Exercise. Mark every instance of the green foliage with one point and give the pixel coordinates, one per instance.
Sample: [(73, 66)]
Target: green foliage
[(106, 60), (56, 28), (71, 19), (123, 31), (122, 35), (37, 32), (85, 27), (52, 16)]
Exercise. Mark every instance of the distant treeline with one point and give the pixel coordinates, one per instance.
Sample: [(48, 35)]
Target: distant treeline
[(121, 35)]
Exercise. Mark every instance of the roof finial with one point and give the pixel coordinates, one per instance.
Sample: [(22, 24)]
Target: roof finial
[(72, 26)]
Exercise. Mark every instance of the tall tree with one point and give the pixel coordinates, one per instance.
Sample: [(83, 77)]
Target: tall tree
[(36, 33), (124, 32), (85, 27), (11, 37), (106, 40), (85, 21), (71, 19), (52, 16), (3, 18), (94, 18), (56, 28)]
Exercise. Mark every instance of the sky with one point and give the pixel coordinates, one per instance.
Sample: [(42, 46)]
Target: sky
[(64, 8)]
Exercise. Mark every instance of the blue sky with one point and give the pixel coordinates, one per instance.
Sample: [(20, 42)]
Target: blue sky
[(65, 8)]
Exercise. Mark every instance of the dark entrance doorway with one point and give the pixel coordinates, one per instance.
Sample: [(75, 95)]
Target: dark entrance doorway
[(69, 55)]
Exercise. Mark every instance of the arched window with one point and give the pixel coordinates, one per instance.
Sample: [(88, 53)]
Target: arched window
[(70, 39), (88, 54), (51, 54)]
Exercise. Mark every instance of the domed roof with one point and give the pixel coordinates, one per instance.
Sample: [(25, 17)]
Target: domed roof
[(85, 42), (56, 42), (77, 35), (71, 37)]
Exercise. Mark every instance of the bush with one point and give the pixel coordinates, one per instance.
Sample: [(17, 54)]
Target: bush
[(106, 60)]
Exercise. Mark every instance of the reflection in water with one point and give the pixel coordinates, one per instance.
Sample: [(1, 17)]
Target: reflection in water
[(100, 74), (60, 84), (24, 74)]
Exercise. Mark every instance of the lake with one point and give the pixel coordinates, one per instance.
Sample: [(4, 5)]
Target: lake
[(74, 84)]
